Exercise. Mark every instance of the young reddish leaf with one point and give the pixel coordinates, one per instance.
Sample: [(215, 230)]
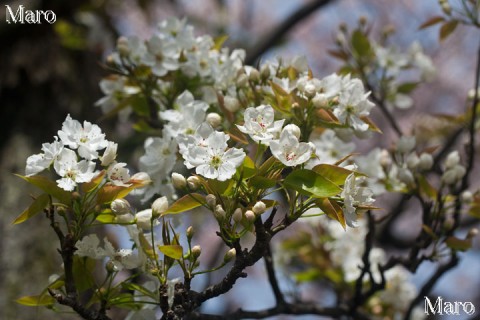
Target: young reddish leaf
[(338, 54), (50, 187), (173, 251), (447, 28), (431, 22), (37, 206), (185, 203), (36, 301), (146, 247), (371, 125), (89, 186), (109, 192)]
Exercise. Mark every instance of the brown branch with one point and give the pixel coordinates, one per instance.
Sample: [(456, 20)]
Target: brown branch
[(272, 279), (273, 37)]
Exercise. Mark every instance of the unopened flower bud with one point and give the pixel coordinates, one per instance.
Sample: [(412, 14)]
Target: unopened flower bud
[(196, 251), (259, 207), (472, 233), (405, 176), (385, 159), (178, 181), (230, 255), (412, 160), (250, 216), (231, 104), (219, 212), (159, 206), (110, 154), (144, 219), (254, 75), (214, 119), (124, 218), (265, 71), (242, 80), (211, 200), (426, 162), (453, 175), (406, 144), (320, 100), (466, 197), (452, 160), (111, 267), (446, 8), (76, 195), (237, 215), (193, 182), (293, 129), (122, 46), (190, 232), (120, 206)]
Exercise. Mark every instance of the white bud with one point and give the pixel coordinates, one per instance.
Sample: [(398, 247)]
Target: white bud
[(124, 218), (385, 159), (122, 46), (452, 160), (120, 207), (214, 119), (242, 80), (405, 176), (265, 71), (159, 206), (250, 216), (237, 215), (144, 219), (293, 129), (466, 197), (254, 75), (219, 213), (231, 104), (320, 100), (453, 175), (193, 182), (211, 200), (412, 160), (259, 207), (110, 154), (426, 161), (406, 144), (196, 251), (178, 181)]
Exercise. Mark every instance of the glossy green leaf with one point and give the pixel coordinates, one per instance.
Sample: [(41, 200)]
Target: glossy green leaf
[(185, 203), (260, 182), (310, 183), (37, 206), (36, 301), (50, 187), (173, 251), (248, 167), (333, 173)]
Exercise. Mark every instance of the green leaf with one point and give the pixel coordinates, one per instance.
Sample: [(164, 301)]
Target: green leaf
[(50, 187), (185, 203), (138, 288), (36, 301), (106, 216), (37, 206), (260, 182), (333, 173), (447, 29), (360, 43), (333, 210), (173, 251), (308, 275), (219, 41), (312, 184), (426, 188), (248, 167), (407, 87), (82, 272), (458, 244)]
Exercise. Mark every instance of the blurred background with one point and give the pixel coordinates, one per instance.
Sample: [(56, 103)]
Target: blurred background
[(50, 70)]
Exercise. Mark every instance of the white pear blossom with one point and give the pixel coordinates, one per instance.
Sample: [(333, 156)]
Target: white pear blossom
[(87, 139), (352, 105), (162, 55), (329, 148), (212, 160), (72, 171), (260, 124), (289, 150), (144, 219), (39, 162), (118, 175), (110, 154), (116, 90), (354, 196)]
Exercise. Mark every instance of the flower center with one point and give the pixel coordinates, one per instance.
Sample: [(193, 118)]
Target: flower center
[(216, 161), (290, 156)]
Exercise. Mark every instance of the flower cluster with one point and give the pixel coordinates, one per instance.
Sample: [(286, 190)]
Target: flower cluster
[(73, 154)]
